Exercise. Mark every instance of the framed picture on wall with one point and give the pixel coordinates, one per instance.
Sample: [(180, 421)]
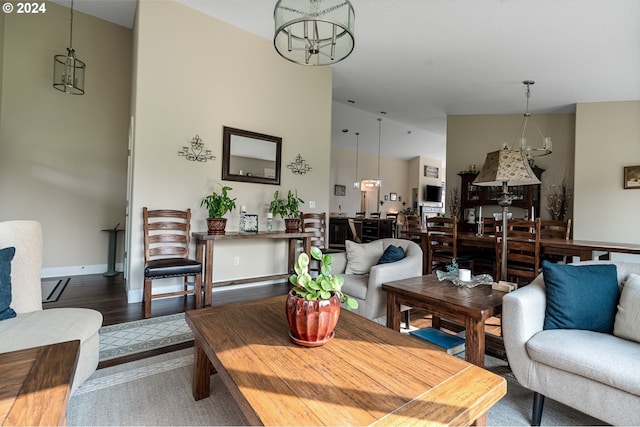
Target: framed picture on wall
[(340, 190), (632, 177), (431, 171), (393, 196)]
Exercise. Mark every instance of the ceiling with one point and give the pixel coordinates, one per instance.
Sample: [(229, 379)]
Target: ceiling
[(421, 60)]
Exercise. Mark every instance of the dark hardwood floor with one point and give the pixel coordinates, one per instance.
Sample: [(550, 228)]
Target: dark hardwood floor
[(108, 296)]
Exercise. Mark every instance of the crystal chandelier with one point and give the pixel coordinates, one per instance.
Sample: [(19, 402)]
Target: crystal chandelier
[(314, 32), (521, 139), (68, 71)]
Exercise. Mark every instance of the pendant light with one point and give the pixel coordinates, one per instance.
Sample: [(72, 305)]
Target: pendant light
[(356, 183), (68, 71), (521, 139), (314, 32)]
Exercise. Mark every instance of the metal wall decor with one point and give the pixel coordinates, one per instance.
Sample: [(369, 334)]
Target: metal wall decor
[(299, 166), (196, 153)]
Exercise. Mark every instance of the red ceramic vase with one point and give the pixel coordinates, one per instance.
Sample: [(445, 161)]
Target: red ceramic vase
[(312, 322)]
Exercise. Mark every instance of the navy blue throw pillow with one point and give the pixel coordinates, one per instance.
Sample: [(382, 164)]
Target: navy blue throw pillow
[(581, 296), (391, 254), (6, 255)]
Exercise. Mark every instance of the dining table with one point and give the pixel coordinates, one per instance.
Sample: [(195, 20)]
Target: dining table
[(582, 249)]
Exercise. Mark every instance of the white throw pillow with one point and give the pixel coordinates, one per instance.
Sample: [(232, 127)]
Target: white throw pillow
[(627, 324), (362, 256)]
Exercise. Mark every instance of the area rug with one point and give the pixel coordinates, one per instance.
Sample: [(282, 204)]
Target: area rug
[(129, 338), (52, 289), (157, 391)]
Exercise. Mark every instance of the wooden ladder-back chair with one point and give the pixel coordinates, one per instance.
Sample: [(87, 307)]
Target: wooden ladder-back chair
[(394, 226), (374, 215), (317, 224), (523, 250), (354, 231), (555, 229), (412, 224), (166, 253), (442, 244)]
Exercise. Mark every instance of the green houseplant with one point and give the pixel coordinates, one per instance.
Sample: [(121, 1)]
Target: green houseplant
[(313, 304), (288, 209), (217, 206)]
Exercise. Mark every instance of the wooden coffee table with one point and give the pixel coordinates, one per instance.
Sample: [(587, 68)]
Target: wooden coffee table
[(360, 377), (35, 384), (469, 306)]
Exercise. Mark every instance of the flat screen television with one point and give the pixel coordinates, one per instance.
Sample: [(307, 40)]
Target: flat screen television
[(432, 193)]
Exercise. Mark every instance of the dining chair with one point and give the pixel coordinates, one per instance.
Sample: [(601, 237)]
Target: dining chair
[(555, 229), (374, 215), (523, 250), (354, 231), (442, 244), (166, 254), (412, 224), (315, 223), (394, 225), (360, 215)]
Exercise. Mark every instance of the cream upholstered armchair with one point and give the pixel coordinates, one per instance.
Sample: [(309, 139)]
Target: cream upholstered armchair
[(363, 276), (32, 326)]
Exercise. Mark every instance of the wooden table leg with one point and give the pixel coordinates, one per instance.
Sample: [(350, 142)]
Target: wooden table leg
[(474, 348), (208, 272), (425, 257), (393, 312), (201, 380), (481, 421)]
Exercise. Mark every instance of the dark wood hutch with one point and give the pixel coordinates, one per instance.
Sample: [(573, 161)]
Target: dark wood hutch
[(524, 196)]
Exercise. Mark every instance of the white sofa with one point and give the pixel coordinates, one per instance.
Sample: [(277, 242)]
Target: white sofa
[(596, 373), (34, 326), (367, 288)]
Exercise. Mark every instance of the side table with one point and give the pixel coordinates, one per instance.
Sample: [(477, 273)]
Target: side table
[(113, 240)]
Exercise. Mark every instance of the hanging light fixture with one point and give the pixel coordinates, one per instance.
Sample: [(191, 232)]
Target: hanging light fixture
[(521, 139), (314, 32), (356, 183), (68, 71)]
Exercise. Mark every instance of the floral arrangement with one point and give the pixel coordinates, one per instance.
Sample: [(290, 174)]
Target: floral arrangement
[(453, 200), (558, 198)]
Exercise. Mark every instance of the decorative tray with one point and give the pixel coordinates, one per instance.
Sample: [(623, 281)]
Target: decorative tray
[(480, 279)]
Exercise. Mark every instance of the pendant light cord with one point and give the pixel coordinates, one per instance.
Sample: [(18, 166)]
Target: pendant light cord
[(379, 139), (357, 153), (71, 30)]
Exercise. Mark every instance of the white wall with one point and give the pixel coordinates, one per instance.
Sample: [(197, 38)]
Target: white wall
[(63, 157), (607, 139), (200, 76)]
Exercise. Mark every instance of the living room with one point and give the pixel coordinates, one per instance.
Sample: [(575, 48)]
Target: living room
[(66, 157)]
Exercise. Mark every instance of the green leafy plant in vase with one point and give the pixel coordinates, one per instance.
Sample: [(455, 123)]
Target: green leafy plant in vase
[(288, 209), (313, 304), (217, 206)]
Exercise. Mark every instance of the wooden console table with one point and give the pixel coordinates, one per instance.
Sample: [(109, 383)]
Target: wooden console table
[(204, 254), (36, 384)]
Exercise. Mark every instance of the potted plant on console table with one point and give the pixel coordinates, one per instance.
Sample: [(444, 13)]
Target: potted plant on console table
[(218, 205), (313, 305), (288, 209)]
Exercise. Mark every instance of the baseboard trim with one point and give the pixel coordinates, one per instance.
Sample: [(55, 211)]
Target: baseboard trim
[(76, 270)]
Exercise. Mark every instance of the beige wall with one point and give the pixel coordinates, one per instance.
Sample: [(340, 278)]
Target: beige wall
[(471, 137), (200, 76), (63, 157), (607, 139), (393, 173)]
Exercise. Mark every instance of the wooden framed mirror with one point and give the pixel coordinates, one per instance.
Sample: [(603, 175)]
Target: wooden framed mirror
[(250, 157)]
